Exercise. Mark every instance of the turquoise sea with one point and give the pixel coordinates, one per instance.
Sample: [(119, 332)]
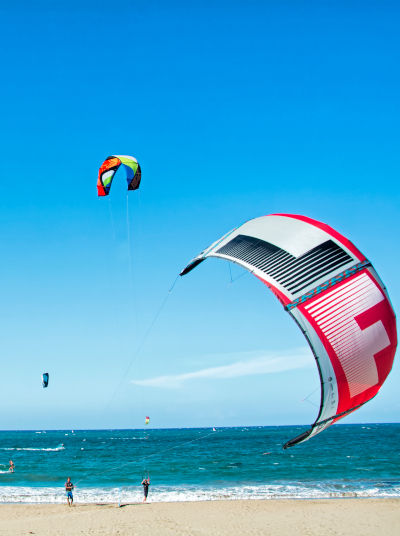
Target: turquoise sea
[(200, 464)]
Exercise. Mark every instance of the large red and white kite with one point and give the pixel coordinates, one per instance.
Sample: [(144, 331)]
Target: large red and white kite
[(333, 293)]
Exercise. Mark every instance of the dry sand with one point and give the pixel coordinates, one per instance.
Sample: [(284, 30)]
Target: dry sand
[(353, 517)]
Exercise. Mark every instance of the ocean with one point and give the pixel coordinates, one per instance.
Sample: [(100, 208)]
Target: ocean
[(200, 464)]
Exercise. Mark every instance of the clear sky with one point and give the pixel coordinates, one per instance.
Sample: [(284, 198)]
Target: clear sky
[(234, 110)]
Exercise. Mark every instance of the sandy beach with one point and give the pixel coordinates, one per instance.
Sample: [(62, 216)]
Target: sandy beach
[(284, 517)]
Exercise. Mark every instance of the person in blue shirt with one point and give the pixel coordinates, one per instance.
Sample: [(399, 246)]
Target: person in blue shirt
[(68, 488)]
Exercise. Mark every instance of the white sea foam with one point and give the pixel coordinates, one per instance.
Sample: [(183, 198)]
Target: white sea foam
[(126, 438), (56, 449), (11, 494)]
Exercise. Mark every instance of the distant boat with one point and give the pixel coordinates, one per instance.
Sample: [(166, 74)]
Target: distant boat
[(214, 430)]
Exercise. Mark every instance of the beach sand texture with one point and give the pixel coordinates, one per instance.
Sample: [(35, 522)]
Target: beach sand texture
[(328, 517)]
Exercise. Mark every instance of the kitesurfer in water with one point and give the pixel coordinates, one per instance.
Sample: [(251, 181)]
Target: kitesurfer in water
[(12, 466), (145, 484), (68, 488)]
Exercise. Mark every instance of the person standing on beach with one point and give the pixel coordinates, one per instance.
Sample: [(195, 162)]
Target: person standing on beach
[(12, 466), (145, 484), (68, 488)]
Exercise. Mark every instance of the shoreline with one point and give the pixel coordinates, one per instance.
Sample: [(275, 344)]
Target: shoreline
[(197, 501), (41, 495), (281, 517), (208, 501)]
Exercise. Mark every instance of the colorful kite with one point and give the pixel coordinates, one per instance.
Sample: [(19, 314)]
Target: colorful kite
[(111, 165)]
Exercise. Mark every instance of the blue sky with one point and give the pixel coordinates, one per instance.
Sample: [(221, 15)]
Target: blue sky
[(234, 110)]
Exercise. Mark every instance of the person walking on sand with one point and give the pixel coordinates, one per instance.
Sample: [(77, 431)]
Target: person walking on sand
[(68, 488), (145, 484), (12, 466)]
